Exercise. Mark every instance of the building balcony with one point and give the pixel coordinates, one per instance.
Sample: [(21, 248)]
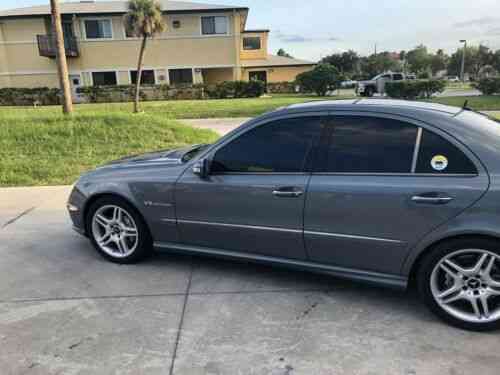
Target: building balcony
[(47, 46)]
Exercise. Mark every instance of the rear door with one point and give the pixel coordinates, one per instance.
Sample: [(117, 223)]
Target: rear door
[(382, 184)]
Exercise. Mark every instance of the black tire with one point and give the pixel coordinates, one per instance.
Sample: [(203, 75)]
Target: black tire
[(424, 274), (144, 245), (369, 92)]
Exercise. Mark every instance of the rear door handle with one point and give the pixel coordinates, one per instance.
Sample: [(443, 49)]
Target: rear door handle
[(431, 200), (287, 192)]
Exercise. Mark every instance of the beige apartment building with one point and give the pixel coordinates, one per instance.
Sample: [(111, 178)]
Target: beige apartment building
[(203, 43)]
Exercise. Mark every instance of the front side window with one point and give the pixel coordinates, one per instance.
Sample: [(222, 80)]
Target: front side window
[(370, 145), (180, 76), (281, 146), (104, 78), (251, 43), (438, 156), (147, 77), (214, 25), (397, 77), (98, 29)]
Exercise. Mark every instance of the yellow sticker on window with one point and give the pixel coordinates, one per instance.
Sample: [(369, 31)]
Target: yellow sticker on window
[(439, 163)]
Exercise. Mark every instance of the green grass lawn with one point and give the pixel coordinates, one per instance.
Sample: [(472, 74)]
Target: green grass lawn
[(43, 148), (38, 146)]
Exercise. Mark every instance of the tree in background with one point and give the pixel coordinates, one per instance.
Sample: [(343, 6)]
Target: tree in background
[(439, 62), (281, 52), (379, 63), (323, 78), (347, 62), (143, 20), (476, 58), (419, 60)]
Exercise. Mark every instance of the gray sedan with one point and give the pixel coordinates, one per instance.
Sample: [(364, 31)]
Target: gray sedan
[(388, 192)]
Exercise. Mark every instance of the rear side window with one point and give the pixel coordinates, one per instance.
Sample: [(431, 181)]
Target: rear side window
[(438, 156), (370, 145), (281, 146)]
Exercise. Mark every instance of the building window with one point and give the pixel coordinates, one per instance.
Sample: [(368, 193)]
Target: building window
[(147, 77), (180, 76), (176, 24), (104, 78), (251, 43), (214, 25), (98, 29)]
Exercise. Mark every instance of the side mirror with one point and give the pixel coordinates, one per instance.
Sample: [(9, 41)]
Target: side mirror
[(202, 168)]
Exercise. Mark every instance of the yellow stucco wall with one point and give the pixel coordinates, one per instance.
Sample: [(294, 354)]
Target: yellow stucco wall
[(33, 80), (27, 29), (254, 54), (278, 74), (211, 76)]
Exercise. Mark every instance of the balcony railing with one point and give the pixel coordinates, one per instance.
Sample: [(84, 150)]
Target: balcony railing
[(47, 46)]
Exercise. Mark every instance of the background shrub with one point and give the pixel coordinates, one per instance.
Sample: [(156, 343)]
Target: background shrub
[(29, 96), (321, 79), (414, 89), (488, 86)]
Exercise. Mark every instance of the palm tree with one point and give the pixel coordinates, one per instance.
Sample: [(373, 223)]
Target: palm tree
[(143, 20)]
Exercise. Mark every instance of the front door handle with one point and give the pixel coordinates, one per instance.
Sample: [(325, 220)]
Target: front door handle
[(287, 192), (427, 199)]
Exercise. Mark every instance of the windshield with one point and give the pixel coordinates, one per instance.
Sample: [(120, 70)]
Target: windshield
[(189, 155)]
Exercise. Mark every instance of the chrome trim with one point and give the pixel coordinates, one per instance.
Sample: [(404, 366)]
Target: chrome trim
[(396, 174), (72, 207), (165, 220), (416, 151), (442, 200), (256, 227), (351, 236)]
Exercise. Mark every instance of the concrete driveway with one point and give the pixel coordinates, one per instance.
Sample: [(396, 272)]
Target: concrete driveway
[(65, 310)]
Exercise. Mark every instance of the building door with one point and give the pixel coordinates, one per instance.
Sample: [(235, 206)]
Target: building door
[(258, 76), (76, 82)]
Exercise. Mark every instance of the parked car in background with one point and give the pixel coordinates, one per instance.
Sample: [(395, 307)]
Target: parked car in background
[(453, 79), (377, 84), (390, 192), (349, 84)]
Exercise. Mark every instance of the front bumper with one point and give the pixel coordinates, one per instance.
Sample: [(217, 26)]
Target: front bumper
[(75, 207)]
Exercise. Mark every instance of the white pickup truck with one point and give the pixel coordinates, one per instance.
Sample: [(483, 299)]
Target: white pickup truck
[(377, 84)]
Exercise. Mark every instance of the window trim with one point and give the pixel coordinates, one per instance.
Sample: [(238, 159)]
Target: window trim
[(102, 71), (84, 29), (144, 69), (188, 68), (211, 152), (420, 125), (228, 28), (252, 37)]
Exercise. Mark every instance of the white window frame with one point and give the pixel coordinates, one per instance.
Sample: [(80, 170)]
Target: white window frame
[(213, 16), (134, 70), (84, 29), (91, 74)]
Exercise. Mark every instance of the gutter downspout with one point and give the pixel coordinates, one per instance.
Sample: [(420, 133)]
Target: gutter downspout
[(237, 42)]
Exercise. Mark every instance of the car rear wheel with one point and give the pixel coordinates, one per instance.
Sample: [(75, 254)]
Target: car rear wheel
[(117, 231), (459, 280), (369, 92)]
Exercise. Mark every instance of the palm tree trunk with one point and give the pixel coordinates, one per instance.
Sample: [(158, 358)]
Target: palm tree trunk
[(62, 66), (139, 74)]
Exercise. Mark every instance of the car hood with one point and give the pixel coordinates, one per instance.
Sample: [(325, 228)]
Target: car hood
[(162, 156)]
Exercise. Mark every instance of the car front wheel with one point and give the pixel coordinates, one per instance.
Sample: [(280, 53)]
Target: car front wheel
[(460, 281), (117, 231)]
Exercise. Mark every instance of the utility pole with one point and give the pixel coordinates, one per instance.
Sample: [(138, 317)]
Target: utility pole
[(462, 71), (62, 65), (375, 49)]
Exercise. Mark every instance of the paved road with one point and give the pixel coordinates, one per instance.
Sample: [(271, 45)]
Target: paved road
[(64, 310)]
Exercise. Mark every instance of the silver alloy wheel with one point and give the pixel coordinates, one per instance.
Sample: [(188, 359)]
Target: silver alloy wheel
[(115, 231), (466, 284)]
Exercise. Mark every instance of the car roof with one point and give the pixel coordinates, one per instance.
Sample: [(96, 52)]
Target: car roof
[(374, 104)]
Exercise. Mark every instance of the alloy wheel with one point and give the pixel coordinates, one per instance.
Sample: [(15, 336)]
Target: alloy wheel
[(466, 284), (115, 231)]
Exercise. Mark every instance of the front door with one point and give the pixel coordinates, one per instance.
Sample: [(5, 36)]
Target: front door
[(383, 183), (253, 200), (258, 76)]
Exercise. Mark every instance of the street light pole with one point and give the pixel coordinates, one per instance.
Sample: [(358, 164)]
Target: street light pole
[(462, 71)]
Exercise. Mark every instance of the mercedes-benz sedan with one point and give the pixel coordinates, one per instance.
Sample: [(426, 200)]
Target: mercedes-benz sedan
[(389, 192)]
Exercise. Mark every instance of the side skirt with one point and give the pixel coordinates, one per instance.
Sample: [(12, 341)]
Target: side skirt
[(387, 280)]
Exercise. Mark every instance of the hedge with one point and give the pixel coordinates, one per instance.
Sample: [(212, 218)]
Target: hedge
[(488, 86), (29, 96), (414, 89)]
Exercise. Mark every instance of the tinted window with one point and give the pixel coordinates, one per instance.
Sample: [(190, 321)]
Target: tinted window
[(397, 77), (180, 76), (251, 43), (279, 146), (104, 78), (370, 145), (214, 25), (147, 77), (438, 156), (98, 29)]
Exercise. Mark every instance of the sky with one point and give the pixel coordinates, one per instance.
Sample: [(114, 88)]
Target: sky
[(313, 29)]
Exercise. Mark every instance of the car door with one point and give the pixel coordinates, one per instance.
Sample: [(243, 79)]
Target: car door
[(382, 184), (253, 199)]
